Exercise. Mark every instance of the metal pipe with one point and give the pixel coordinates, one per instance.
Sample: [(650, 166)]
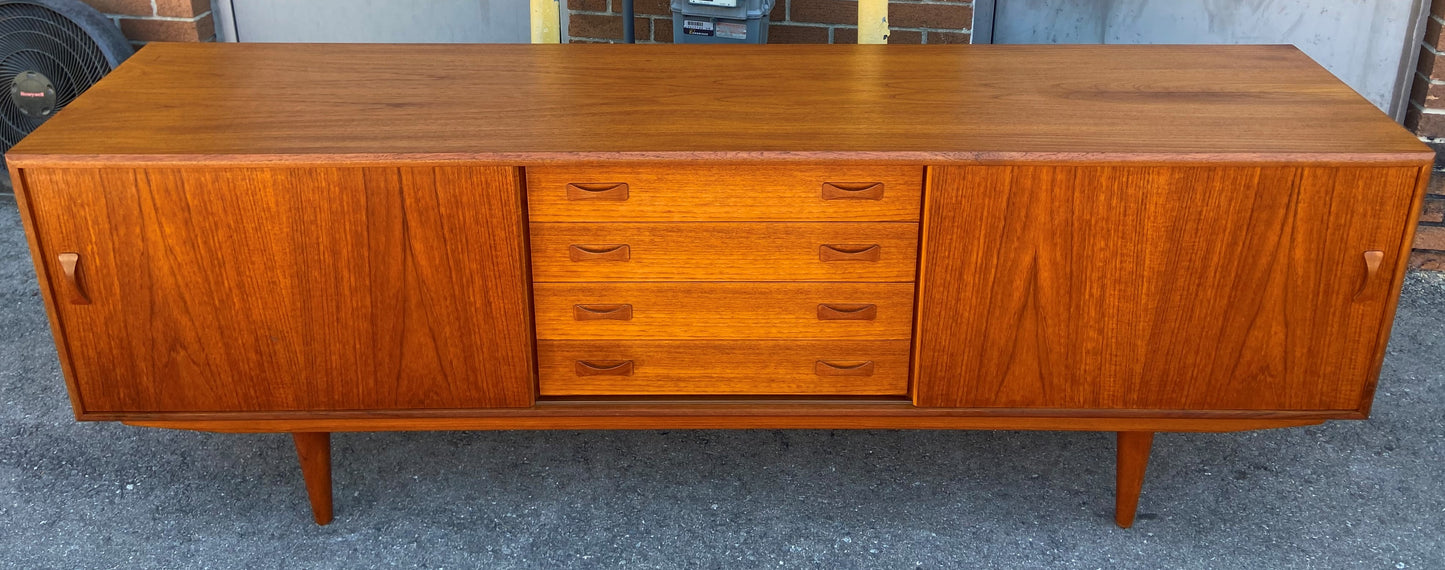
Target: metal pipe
[(629, 34), (546, 22), (872, 21)]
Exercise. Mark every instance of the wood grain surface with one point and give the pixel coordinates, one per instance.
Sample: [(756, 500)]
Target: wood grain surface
[(532, 104), (754, 414), (313, 449), (289, 289), (730, 251), (724, 310), (719, 193), (1131, 461), (788, 368), (1161, 287)]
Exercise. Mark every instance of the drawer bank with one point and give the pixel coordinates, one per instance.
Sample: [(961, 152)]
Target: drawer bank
[(319, 238)]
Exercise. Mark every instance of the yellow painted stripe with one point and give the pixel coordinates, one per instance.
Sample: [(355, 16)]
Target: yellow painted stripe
[(546, 22), (872, 21)]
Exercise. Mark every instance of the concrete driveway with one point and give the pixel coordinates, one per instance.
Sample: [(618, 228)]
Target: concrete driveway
[(1340, 495)]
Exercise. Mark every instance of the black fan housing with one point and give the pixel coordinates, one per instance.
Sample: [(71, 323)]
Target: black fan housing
[(51, 51)]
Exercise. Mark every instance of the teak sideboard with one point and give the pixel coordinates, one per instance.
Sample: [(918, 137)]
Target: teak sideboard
[(321, 238)]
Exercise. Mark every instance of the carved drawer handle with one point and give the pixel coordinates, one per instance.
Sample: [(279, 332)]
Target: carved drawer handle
[(620, 252), (604, 368), (852, 190), (608, 191), (856, 368), (602, 312), (841, 252), (1373, 258), (70, 266), (831, 312)]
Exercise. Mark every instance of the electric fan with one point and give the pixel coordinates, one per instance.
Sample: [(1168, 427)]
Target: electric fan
[(51, 51)]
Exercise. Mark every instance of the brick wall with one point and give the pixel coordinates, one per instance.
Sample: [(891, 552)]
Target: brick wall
[(160, 20), (1426, 117), (793, 21)]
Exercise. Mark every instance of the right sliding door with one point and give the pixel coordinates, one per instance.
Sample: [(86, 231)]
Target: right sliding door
[(1157, 288)]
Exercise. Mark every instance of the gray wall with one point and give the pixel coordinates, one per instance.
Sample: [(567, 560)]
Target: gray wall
[(387, 21), (1366, 43)]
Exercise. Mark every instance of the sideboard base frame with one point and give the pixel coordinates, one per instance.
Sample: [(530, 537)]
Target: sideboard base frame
[(1135, 435), (1133, 445), (767, 414)]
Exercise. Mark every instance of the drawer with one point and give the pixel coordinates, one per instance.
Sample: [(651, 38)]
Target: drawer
[(842, 251), (684, 368), (876, 311), (666, 193)]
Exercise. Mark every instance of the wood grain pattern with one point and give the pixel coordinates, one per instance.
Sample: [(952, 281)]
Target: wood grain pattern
[(290, 289), (1165, 287), (732, 251), (313, 449), (724, 367), (723, 310), (1132, 460), (1422, 183), (527, 104), (745, 415), (725, 192), (747, 406)]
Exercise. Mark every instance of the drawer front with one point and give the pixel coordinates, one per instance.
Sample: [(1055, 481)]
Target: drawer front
[(663, 193), (791, 368), (876, 311), (844, 251)]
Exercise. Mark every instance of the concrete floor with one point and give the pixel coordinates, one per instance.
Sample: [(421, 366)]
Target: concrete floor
[(1340, 495)]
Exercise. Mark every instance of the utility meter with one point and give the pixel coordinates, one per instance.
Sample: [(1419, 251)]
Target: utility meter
[(720, 21)]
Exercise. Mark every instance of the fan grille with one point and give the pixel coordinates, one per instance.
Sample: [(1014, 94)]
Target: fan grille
[(36, 38)]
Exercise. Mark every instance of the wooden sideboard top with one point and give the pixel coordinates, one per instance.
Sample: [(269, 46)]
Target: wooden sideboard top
[(538, 104)]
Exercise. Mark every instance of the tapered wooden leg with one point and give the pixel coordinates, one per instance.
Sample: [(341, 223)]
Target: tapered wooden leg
[(314, 449), (1133, 459)]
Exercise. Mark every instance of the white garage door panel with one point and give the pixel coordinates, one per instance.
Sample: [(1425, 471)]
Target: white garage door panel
[(386, 21), (1363, 42)]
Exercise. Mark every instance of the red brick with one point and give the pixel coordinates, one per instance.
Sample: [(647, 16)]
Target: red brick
[(1430, 237), (587, 5), (949, 37), (641, 29), (785, 34), (1419, 87), (1426, 65), (594, 26), (905, 37), (1428, 260), (780, 11), (1432, 33), (650, 7), (824, 11), (1434, 210), (1431, 125), (1434, 96), (1412, 119), (945, 16), (197, 30), (1437, 184), (662, 30), (122, 7), (182, 8), (1437, 8)]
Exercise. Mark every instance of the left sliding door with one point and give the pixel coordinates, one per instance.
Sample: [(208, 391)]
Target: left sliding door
[(282, 289)]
